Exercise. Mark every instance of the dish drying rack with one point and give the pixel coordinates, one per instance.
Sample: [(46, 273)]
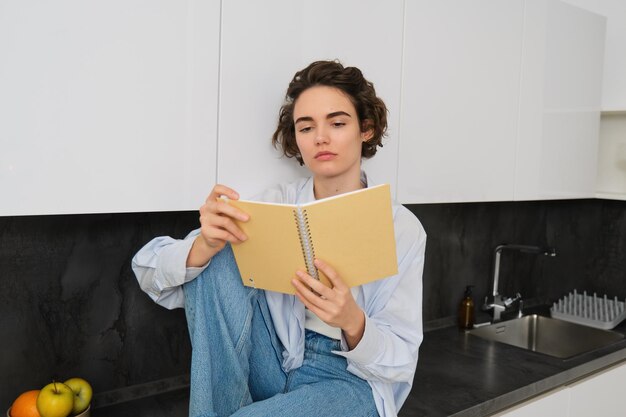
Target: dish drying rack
[(596, 311)]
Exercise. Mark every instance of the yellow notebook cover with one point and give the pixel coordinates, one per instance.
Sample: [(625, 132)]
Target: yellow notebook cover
[(352, 232)]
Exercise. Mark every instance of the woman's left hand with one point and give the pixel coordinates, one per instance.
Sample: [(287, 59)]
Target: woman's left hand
[(334, 306)]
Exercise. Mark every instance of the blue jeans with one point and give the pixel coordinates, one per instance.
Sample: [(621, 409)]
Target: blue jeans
[(236, 357)]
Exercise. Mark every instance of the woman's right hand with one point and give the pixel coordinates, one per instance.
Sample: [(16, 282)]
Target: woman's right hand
[(217, 226)]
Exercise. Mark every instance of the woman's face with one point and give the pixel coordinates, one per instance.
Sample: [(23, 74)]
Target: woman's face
[(328, 133)]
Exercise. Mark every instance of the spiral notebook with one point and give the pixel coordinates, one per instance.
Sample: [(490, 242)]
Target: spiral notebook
[(352, 232)]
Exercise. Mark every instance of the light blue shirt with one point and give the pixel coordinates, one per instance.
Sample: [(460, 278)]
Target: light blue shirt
[(387, 354)]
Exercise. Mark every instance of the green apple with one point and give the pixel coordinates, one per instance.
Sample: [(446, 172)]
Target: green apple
[(82, 394), (55, 400)]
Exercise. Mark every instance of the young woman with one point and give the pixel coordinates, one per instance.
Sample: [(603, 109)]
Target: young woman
[(325, 351)]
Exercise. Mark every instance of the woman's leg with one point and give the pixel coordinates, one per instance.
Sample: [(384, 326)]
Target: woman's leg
[(233, 341), (321, 387)]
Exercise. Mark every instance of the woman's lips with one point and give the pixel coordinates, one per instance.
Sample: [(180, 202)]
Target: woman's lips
[(325, 156)]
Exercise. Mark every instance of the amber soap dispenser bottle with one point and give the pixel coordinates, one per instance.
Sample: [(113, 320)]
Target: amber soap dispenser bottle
[(466, 310)]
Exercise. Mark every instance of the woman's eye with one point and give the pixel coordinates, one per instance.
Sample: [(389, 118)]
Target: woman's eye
[(304, 129), (338, 124)]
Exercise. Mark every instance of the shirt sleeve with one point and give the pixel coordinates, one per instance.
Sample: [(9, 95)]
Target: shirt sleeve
[(160, 268), (388, 350)]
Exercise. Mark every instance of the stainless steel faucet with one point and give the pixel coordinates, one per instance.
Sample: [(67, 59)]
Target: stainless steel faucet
[(497, 302)]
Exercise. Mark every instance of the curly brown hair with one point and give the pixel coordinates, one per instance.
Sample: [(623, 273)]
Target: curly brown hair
[(371, 110)]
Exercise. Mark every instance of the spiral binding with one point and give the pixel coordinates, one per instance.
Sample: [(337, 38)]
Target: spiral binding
[(306, 242)]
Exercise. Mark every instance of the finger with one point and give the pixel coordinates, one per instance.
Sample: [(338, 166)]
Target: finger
[(332, 275), (218, 236), (227, 224), (309, 298), (222, 190), (222, 207), (312, 307), (315, 285)]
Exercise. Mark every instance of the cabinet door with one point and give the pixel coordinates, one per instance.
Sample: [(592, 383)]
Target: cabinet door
[(460, 95), (600, 395), (554, 404), (107, 106), (261, 51), (613, 80), (560, 102)]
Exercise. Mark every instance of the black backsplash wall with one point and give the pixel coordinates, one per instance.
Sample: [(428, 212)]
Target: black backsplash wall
[(589, 237), (70, 305)]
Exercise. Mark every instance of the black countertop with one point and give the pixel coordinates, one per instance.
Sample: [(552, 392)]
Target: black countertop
[(462, 375), (457, 375)]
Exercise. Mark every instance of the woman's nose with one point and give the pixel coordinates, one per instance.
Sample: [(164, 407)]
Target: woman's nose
[(321, 137)]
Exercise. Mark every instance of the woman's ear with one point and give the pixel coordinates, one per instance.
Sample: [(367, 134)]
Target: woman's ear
[(367, 130)]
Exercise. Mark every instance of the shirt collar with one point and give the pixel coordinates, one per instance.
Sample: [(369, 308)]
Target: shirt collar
[(306, 193)]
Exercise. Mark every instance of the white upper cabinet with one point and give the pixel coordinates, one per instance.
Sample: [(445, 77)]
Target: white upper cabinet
[(611, 181), (107, 106), (500, 101), (560, 102), (460, 99), (264, 44), (118, 107), (613, 82)]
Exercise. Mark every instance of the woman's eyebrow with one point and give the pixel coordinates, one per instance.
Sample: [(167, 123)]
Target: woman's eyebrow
[(303, 119), (328, 116), (337, 113)]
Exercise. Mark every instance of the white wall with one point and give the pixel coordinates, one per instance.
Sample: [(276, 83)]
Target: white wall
[(612, 157)]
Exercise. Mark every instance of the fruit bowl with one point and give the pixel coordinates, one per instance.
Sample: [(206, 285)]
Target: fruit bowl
[(86, 413)]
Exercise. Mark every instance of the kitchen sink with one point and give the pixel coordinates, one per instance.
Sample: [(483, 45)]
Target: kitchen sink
[(546, 335)]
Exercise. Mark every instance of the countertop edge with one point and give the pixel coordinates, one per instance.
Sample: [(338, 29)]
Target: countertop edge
[(543, 386)]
